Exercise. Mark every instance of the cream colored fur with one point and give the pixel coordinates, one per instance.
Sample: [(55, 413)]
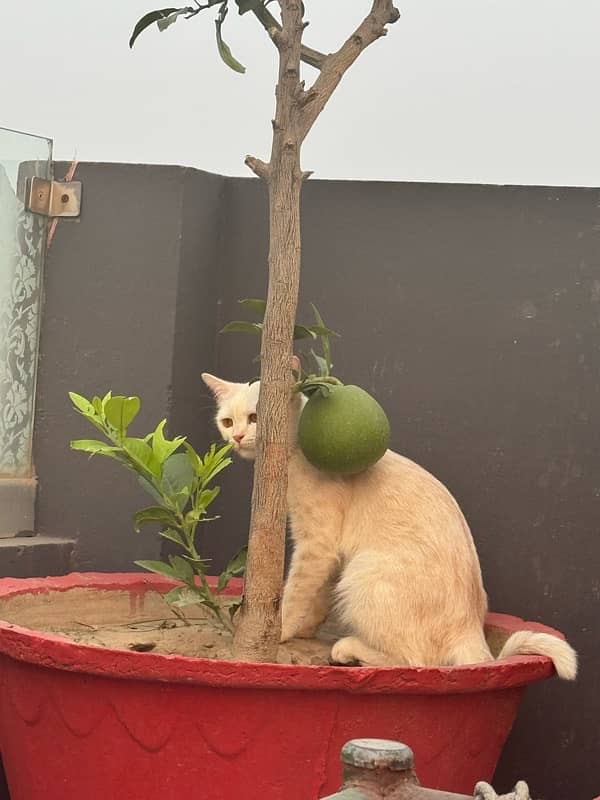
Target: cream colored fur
[(390, 548)]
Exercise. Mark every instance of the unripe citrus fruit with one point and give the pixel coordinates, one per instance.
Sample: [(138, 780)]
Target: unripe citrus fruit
[(345, 432)]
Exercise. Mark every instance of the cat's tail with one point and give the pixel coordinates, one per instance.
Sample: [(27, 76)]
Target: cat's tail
[(531, 643)]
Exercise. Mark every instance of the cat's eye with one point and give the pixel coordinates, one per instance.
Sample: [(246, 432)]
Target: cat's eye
[(227, 422), (252, 418)]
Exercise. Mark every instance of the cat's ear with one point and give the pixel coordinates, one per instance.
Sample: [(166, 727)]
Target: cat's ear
[(218, 387), (295, 363)]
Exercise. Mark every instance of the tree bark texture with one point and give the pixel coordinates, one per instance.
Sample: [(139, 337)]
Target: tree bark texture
[(259, 626), (259, 621)]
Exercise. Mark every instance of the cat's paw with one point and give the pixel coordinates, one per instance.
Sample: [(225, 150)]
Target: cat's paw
[(343, 654)]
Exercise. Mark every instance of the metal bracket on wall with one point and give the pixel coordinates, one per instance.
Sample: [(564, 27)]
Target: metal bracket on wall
[(52, 198)]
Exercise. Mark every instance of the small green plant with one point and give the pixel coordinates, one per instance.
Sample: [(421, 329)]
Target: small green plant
[(179, 480), (315, 368)]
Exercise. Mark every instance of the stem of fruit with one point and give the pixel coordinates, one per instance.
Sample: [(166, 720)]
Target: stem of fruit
[(314, 381)]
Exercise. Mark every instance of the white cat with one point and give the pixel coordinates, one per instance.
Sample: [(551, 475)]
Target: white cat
[(390, 546)]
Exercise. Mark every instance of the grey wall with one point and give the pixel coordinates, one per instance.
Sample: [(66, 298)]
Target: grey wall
[(471, 312), (115, 317)]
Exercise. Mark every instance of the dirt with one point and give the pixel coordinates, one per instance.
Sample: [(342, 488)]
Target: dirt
[(195, 635), (199, 638), (144, 622)]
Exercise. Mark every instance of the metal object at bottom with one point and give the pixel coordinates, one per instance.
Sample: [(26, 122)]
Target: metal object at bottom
[(379, 768)]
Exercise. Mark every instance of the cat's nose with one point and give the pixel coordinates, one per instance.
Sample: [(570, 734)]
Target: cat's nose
[(238, 437)]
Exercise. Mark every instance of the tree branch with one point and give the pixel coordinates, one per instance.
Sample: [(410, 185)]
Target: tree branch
[(333, 69), (258, 167), (273, 28)]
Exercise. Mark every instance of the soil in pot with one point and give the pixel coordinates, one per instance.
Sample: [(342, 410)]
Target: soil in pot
[(113, 620), (116, 620)]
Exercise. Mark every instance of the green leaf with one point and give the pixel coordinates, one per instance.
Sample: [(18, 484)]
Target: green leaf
[(183, 596), (121, 411), (317, 315), (159, 567), (195, 515), (324, 338), (323, 330), (162, 447), (237, 566), (148, 487), (81, 404), (216, 467), (94, 447), (142, 456), (165, 22), (97, 403), (182, 568), (195, 459), (90, 446), (94, 420), (302, 332), (172, 535), (247, 5), (182, 497), (177, 479), (149, 19), (322, 365), (154, 514), (222, 47), (309, 387), (255, 304), (206, 497), (214, 456), (241, 326)]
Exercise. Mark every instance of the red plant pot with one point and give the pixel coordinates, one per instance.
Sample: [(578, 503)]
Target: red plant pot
[(78, 721)]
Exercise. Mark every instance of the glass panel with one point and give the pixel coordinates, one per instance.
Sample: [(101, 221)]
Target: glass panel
[(22, 248)]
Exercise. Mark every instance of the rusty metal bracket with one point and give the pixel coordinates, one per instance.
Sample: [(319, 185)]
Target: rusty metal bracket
[(53, 198)]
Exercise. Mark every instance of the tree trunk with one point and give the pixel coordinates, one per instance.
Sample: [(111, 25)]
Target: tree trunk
[(259, 627)]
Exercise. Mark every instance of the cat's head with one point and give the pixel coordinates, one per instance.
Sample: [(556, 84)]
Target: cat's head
[(236, 411)]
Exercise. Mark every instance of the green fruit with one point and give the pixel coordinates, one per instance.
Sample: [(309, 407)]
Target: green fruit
[(345, 432)]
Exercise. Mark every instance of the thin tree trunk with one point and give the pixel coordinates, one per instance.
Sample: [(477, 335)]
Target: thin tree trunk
[(259, 626)]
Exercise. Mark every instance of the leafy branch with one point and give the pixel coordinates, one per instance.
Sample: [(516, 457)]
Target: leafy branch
[(315, 369), (179, 481), (165, 17)]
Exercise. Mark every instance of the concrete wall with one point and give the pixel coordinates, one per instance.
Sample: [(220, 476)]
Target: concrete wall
[(470, 312), (118, 306)]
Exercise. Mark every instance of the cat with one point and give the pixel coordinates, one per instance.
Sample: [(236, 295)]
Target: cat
[(389, 547)]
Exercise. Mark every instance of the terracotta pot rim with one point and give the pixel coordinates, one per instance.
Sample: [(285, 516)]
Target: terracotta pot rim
[(56, 652)]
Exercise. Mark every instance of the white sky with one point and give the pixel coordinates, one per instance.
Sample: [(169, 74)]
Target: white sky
[(494, 91)]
